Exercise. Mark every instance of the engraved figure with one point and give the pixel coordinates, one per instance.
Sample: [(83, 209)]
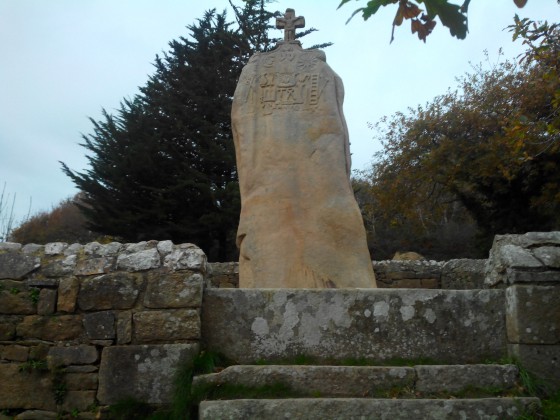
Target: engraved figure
[(289, 23)]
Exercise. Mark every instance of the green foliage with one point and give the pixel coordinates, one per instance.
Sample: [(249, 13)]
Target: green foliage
[(551, 407), (491, 148), (60, 389), (34, 295), (163, 167), (33, 365), (451, 15)]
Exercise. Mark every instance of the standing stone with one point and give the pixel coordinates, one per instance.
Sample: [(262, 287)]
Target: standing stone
[(300, 225)]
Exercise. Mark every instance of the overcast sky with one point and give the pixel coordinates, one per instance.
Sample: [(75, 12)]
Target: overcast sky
[(62, 61)]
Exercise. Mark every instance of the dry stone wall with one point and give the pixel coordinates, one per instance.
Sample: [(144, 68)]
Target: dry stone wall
[(462, 274), (85, 326), (529, 266), (89, 325)]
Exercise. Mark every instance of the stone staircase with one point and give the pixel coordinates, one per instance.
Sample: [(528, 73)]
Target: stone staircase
[(479, 391), (353, 344)]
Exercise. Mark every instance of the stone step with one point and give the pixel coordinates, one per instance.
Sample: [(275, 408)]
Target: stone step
[(364, 408), (364, 381), (333, 325)]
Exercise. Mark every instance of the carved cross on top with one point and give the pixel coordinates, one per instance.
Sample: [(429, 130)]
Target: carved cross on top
[(289, 23)]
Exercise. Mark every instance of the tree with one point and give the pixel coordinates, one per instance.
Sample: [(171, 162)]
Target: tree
[(451, 15), (164, 166), (493, 146), (64, 223)]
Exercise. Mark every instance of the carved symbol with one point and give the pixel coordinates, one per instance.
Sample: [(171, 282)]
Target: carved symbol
[(289, 23)]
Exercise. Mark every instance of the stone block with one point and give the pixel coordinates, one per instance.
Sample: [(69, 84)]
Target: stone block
[(533, 314), (548, 255), (222, 275), (39, 352), (7, 328), (96, 249), (32, 248), (51, 328), (124, 327), (34, 415), (90, 266), (366, 408), (41, 282), (14, 265), (458, 378), (25, 390), (47, 302), (81, 369), (80, 381), (326, 381), (519, 252), (10, 246), (78, 400), (173, 290), (463, 274), (72, 355), (144, 372), (67, 294), (186, 257), (15, 353), (73, 249), (100, 325), (458, 326), (110, 291), (139, 261), (15, 298), (541, 361), (165, 247), (169, 325), (533, 277), (55, 248), (60, 267)]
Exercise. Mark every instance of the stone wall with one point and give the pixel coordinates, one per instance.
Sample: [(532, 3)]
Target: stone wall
[(463, 274), (82, 326), (529, 266), (87, 325)]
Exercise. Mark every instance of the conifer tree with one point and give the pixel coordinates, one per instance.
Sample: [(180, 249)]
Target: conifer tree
[(163, 167)]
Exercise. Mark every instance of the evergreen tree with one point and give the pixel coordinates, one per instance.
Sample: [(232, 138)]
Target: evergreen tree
[(164, 166)]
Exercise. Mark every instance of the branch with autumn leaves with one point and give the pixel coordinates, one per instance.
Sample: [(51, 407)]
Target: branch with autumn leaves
[(451, 15)]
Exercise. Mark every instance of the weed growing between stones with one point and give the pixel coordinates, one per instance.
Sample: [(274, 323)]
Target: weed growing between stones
[(34, 295), (535, 387), (33, 365)]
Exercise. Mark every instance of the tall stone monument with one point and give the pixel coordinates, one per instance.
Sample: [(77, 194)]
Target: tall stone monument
[(300, 225)]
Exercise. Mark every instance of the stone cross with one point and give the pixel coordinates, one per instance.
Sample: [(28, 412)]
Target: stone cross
[(289, 23)]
